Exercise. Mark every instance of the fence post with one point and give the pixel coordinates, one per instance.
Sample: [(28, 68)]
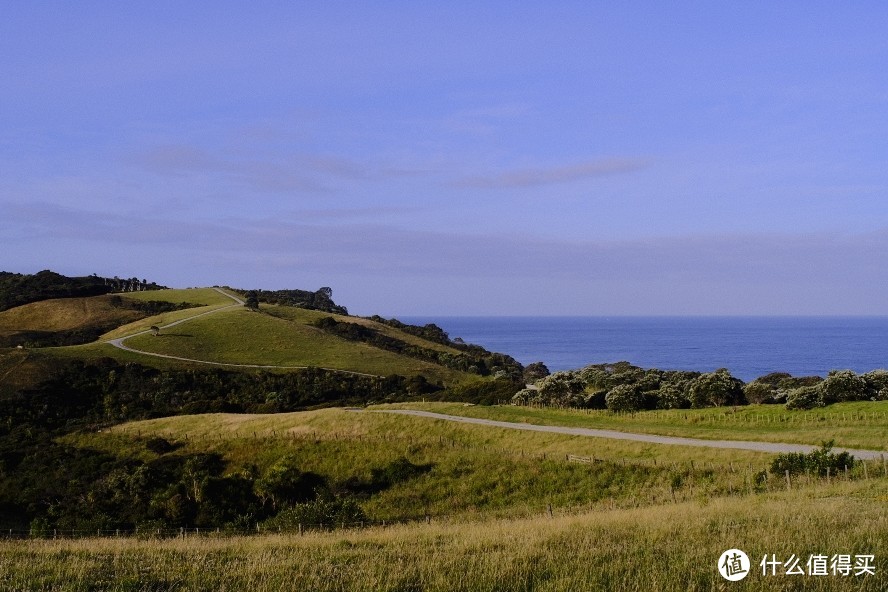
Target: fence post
[(788, 484), (549, 509)]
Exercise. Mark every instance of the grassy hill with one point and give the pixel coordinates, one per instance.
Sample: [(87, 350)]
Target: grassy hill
[(388, 502), (63, 319), (283, 336), (65, 314), (506, 510)]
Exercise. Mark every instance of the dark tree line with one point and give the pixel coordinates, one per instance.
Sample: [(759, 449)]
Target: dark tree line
[(472, 358), (17, 289), (321, 299)]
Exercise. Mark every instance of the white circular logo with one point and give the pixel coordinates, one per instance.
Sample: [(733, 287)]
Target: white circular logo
[(733, 565)]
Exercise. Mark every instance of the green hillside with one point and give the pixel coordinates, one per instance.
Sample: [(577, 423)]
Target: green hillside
[(209, 326), (400, 466), (239, 336), (57, 321)]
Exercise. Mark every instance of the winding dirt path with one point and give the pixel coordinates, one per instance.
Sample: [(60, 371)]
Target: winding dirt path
[(118, 343), (770, 447)]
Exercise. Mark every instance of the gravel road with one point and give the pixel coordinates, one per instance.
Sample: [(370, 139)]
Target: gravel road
[(118, 343), (772, 447)]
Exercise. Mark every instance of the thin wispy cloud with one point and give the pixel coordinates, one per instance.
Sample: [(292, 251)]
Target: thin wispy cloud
[(313, 173), (531, 177), (705, 274)]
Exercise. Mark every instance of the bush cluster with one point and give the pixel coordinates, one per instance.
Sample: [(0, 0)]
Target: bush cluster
[(817, 462), (472, 358), (626, 388)]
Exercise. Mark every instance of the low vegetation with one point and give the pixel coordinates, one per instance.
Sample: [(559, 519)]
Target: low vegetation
[(669, 548), (622, 387)]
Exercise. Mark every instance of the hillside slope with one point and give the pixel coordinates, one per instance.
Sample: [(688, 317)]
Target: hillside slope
[(65, 314), (239, 336)]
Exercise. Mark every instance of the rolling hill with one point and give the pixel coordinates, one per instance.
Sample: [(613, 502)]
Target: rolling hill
[(224, 424), (209, 328)]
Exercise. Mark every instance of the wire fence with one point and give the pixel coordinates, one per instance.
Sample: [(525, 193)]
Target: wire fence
[(196, 532)]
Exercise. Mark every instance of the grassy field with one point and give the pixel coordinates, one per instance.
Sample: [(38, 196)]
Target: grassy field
[(207, 298), (474, 470), (643, 517), (861, 424), (65, 314), (277, 336), (305, 316), (201, 296), (666, 548), (240, 336)]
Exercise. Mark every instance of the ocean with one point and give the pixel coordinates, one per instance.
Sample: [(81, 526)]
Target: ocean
[(747, 346)]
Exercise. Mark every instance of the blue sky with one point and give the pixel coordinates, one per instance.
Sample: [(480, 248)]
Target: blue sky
[(636, 158)]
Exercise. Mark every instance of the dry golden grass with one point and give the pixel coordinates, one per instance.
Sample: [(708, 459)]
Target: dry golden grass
[(667, 548), (65, 314)]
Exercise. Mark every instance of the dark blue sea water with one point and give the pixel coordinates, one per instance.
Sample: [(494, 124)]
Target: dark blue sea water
[(748, 346)]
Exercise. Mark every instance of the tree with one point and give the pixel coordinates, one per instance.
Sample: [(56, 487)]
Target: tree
[(252, 300), (284, 484), (624, 397), (843, 385), (717, 389), (563, 389), (672, 396), (804, 397), (534, 371), (877, 381)]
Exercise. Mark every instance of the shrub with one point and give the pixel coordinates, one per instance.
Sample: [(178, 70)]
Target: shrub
[(806, 397), (877, 384), (623, 398), (331, 512), (716, 389), (672, 396), (817, 462), (843, 385), (759, 392), (563, 389), (159, 445), (526, 397)]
